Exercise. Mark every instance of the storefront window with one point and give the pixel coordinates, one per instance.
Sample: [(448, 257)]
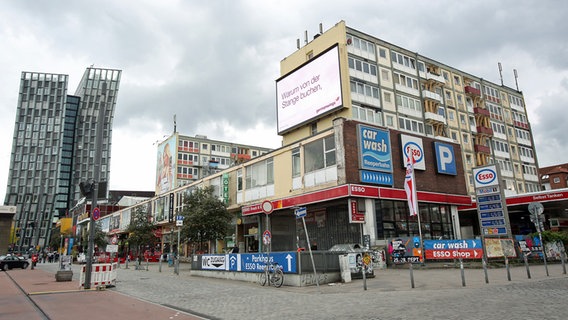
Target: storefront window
[(393, 220)]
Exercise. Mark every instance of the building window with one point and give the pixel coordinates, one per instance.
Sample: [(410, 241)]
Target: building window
[(410, 125), (408, 103), (260, 174), (367, 115), (296, 162), (385, 75), (556, 180), (390, 121), (382, 53), (457, 81), (387, 97), (319, 154)]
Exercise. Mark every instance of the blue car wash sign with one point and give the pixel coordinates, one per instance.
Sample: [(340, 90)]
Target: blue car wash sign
[(445, 158), (375, 149)]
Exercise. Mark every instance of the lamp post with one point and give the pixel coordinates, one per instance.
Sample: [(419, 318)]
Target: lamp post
[(94, 189)]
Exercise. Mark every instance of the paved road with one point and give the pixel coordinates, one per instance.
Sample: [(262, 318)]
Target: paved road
[(438, 294)]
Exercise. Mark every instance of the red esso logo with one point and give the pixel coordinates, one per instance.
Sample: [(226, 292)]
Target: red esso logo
[(485, 176), (413, 149)]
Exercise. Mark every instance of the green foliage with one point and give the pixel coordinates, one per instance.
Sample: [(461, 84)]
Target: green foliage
[(553, 236), (100, 238), (205, 216), (141, 229)]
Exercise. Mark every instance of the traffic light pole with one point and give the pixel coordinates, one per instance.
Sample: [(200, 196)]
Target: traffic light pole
[(94, 190)]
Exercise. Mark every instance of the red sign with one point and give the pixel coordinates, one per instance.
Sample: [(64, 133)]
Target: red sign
[(454, 254), (158, 233), (267, 207), (355, 216), (96, 213)]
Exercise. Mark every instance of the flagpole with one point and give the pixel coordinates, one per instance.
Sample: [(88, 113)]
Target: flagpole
[(418, 216)]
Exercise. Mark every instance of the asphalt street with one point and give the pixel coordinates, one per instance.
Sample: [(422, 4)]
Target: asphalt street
[(438, 293)]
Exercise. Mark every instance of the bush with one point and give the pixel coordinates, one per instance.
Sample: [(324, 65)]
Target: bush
[(553, 236)]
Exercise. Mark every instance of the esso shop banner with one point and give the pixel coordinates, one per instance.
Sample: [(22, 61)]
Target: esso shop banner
[(412, 147), (453, 249)]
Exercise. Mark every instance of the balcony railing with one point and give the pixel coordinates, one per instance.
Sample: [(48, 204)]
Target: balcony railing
[(472, 91), (482, 149), (434, 117), (481, 111), (484, 130), (431, 96)]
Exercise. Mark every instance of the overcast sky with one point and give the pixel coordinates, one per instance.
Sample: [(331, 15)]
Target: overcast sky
[(214, 63)]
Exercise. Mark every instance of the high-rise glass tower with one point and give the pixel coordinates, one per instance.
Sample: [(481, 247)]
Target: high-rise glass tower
[(53, 148)]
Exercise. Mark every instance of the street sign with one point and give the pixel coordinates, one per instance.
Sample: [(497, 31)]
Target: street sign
[(266, 237), (179, 221), (536, 208), (267, 207), (96, 213), (300, 212)]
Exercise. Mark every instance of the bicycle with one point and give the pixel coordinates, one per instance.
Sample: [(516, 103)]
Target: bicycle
[(273, 274)]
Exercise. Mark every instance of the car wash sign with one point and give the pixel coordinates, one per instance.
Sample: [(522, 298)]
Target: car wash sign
[(375, 157), (491, 205)]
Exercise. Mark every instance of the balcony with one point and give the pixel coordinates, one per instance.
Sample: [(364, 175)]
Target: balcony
[(472, 91), (435, 77), (431, 96), (431, 118), (481, 111), (240, 157), (484, 130), (519, 124), (482, 149)]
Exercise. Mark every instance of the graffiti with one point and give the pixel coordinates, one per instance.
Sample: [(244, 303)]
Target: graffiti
[(309, 279)]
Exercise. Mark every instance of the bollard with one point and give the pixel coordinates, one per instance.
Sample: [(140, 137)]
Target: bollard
[(364, 277), (507, 267), (462, 272), (527, 265), (484, 263), (411, 276), (176, 266), (563, 258), (147, 263), (160, 264)]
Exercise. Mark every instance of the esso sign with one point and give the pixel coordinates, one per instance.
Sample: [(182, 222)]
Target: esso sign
[(485, 176), (411, 149)]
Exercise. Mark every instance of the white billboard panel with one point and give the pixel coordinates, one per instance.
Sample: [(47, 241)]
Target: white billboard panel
[(311, 91)]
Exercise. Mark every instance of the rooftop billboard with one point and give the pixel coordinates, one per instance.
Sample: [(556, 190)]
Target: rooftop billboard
[(310, 91)]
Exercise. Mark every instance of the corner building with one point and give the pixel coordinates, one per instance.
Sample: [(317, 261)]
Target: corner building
[(350, 109)]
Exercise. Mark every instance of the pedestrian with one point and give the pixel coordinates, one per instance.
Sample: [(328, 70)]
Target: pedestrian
[(235, 249)]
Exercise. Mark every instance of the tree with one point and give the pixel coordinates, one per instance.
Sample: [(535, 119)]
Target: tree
[(141, 230), (100, 239), (205, 217)]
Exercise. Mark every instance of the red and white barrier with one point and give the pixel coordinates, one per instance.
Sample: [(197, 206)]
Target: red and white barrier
[(102, 274)]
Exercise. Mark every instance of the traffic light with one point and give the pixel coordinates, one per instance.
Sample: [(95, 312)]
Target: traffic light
[(87, 187)]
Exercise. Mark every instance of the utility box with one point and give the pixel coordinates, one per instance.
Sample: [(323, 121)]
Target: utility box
[(344, 268)]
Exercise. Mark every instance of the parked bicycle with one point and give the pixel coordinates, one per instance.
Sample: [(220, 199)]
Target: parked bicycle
[(272, 274)]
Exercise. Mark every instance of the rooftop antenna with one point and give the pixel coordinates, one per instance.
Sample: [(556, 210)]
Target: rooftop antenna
[(321, 28), (175, 125), (516, 76), (500, 72), (298, 43), (306, 37)]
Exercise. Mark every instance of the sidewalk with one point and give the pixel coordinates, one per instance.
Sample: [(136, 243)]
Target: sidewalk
[(65, 300)]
